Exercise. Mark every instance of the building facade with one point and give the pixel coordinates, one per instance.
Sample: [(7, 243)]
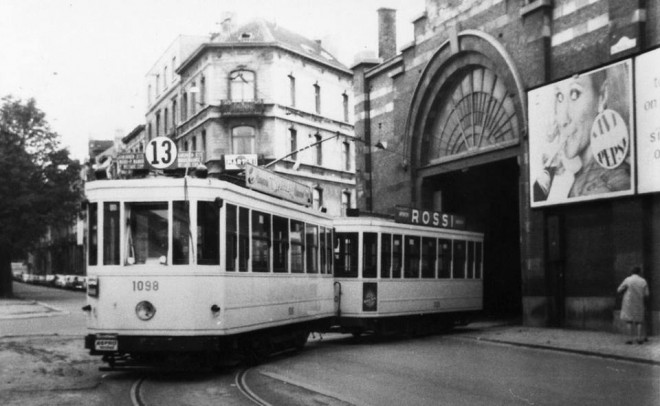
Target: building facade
[(480, 111), (267, 96)]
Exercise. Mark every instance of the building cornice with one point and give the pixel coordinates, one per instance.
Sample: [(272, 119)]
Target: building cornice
[(202, 49)]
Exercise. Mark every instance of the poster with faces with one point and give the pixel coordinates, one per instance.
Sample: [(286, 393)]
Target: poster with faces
[(581, 143)]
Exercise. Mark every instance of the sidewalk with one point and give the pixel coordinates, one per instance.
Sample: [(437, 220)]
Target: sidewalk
[(24, 309), (596, 343)]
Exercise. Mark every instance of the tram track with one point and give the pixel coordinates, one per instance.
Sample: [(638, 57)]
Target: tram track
[(240, 381)]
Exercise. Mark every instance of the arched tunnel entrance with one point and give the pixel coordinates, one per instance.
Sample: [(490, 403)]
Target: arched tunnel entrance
[(488, 196)]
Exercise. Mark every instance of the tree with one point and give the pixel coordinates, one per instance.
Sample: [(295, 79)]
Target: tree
[(40, 184)]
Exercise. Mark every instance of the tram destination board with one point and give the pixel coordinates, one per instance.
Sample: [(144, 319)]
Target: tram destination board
[(408, 215), (277, 185), (131, 160)]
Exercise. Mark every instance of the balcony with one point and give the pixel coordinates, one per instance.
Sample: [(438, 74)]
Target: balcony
[(226, 108), (242, 108)]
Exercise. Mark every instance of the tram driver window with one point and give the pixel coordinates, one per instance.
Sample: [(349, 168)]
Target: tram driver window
[(92, 218), (111, 233), (147, 233), (412, 257), (346, 255), (370, 254), (208, 233)]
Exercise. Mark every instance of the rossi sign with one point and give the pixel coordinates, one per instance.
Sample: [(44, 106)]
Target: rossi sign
[(429, 218)]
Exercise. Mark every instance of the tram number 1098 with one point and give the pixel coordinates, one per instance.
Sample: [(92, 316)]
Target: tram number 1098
[(139, 286)]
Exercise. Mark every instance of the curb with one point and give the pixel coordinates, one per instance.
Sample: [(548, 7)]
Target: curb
[(568, 350)]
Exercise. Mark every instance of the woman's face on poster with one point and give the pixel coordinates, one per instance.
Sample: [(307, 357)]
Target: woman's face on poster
[(576, 106)]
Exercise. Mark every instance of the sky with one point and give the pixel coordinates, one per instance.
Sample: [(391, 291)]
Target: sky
[(85, 61)]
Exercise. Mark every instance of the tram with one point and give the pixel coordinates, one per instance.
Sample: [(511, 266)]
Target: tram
[(397, 277), (181, 267)]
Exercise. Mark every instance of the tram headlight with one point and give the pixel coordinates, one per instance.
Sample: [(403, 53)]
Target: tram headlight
[(145, 310)]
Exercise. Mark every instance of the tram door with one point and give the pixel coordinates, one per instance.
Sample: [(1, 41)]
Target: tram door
[(487, 195)]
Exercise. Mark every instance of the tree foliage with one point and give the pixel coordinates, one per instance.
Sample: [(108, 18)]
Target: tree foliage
[(40, 184)]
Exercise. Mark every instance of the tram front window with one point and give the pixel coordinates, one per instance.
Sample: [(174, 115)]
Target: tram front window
[(181, 233), (147, 233)]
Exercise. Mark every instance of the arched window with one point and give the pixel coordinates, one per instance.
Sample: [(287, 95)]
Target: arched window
[(475, 114), (242, 140), (242, 86)]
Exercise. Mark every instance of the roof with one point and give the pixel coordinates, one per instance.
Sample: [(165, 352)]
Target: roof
[(265, 33), (136, 131)]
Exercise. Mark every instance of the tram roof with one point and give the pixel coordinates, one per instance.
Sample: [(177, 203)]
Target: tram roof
[(185, 188)]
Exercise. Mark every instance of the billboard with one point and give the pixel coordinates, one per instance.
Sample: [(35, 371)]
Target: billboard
[(647, 97), (581, 144)]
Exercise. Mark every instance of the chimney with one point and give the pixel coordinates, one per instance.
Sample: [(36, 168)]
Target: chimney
[(386, 33), (227, 24)]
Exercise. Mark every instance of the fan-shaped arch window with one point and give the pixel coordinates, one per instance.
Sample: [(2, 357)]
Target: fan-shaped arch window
[(476, 114), (242, 85)]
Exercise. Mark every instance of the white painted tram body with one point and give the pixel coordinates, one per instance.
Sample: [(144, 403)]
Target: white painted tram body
[(187, 265), (393, 277)]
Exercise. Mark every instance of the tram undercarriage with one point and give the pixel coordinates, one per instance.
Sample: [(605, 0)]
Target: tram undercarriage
[(193, 352)]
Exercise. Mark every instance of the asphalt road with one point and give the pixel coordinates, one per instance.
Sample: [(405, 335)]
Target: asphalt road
[(45, 364)]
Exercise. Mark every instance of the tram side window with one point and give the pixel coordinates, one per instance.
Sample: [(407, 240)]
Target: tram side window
[(111, 233), (428, 257), (459, 259), (92, 242), (208, 234), (479, 263), (444, 258), (385, 255), (328, 251), (260, 242), (297, 246), (397, 256), (181, 233), (370, 255), (470, 260), (312, 248), (322, 249), (243, 238), (346, 255), (280, 244), (231, 237), (147, 233), (412, 257)]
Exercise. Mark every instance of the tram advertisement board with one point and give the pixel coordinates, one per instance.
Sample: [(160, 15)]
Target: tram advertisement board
[(408, 215), (581, 144), (647, 99), (273, 184)]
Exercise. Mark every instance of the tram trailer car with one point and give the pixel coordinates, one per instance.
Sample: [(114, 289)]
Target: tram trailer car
[(186, 267), (399, 278)]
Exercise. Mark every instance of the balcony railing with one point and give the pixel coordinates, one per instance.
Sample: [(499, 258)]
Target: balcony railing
[(242, 108)]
